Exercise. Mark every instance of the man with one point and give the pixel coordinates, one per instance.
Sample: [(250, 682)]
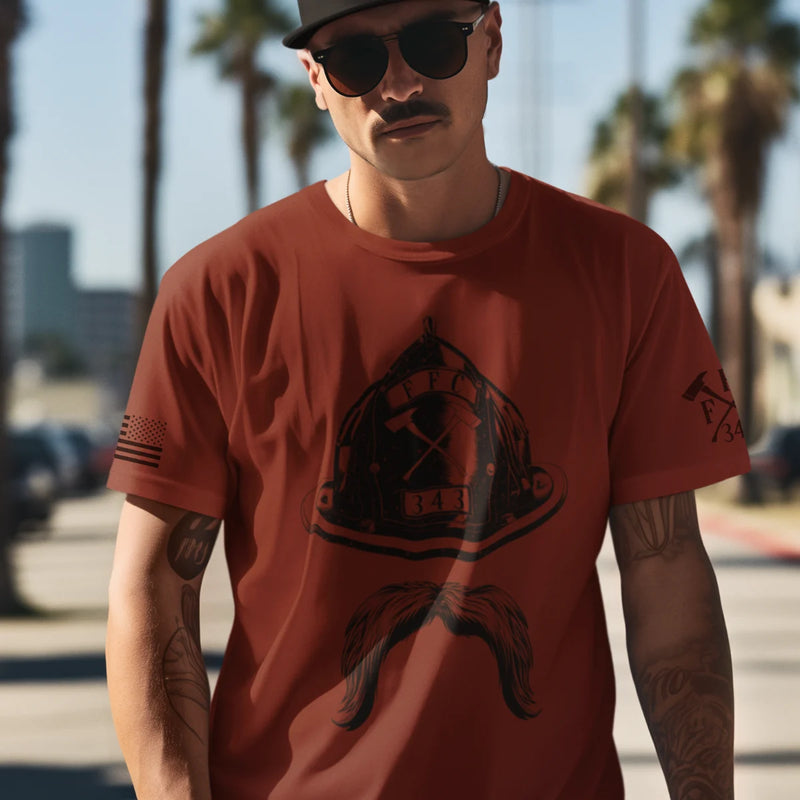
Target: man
[(415, 394)]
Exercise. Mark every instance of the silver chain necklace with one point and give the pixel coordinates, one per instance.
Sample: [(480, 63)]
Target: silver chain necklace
[(497, 204)]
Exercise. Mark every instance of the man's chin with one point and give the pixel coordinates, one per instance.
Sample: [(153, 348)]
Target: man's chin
[(409, 163)]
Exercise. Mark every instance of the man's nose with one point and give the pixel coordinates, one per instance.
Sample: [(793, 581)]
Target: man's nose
[(400, 82)]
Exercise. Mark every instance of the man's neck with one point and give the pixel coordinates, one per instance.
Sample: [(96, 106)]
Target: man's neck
[(444, 206)]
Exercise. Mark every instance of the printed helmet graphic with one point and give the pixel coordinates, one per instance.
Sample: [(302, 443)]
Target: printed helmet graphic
[(433, 460)]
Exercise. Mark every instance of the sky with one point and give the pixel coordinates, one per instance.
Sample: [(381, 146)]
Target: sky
[(76, 155)]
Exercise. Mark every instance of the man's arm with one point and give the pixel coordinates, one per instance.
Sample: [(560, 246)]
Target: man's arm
[(157, 680), (677, 643)]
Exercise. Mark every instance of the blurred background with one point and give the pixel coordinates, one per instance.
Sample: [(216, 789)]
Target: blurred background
[(131, 131)]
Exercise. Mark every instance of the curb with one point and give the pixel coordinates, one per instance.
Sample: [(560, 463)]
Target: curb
[(773, 543)]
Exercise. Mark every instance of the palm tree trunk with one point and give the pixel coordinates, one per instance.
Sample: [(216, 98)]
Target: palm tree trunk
[(731, 298), (250, 128), (155, 42), (637, 197), (737, 256), (712, 267), (747, 403), (737, 248), (12, 17), (301, 168)]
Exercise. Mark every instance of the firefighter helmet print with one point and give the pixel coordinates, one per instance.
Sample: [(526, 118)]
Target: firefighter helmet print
[(433, 460)]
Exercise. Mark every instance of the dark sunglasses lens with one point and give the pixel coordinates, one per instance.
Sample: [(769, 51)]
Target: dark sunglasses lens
[(356, 66), (434, 49)]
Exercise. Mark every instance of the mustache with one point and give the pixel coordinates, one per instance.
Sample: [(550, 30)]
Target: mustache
[(394, 612), (413, 108)]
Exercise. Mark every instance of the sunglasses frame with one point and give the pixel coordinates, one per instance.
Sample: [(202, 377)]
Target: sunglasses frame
[(465, 28)]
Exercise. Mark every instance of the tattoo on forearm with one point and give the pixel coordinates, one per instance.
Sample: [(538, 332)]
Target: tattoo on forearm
[(191, 543), (657, 525), (690, 713), (183, 670), (673, 602)]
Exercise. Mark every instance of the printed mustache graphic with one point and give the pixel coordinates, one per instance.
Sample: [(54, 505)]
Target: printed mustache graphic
[(394, 612)]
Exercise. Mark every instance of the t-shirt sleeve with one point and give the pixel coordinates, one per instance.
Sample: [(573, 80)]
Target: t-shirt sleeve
[(172, 445), (676, 427)]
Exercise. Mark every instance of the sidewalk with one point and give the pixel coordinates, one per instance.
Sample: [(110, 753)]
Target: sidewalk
[(56, 734), (756, 555), (772, 529)]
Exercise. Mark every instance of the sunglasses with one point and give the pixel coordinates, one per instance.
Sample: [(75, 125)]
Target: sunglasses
[(435, 48)]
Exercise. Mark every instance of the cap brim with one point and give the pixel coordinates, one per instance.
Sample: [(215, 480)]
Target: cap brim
[(299, 37)]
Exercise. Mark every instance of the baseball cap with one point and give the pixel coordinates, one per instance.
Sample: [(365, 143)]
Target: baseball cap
[(316, 13)]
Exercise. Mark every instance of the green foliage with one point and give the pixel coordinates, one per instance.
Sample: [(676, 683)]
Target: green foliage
[(739, 26), (234, 35), (610, 157), (655, 126), (733, 102), (235, 32)]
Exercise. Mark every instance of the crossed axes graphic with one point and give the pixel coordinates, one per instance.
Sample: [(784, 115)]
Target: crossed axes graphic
[(454, 416), (699, 385)]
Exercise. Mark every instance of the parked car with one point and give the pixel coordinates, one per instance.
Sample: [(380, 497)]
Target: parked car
[(776, 461), (60, 454), (95, 450), (32, 483)]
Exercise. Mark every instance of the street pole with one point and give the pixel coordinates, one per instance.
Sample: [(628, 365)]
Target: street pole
[(637, 198)]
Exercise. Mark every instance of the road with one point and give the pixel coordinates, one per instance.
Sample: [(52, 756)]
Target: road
[(56, 735)]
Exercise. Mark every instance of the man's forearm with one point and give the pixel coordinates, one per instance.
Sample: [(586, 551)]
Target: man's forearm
[(157, 679), (687, 699), (159, 696), (159, 699), (677, 644)]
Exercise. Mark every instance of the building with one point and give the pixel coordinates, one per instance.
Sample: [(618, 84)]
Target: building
[(776, 303), (14, 299), (108, 336), (41, 283), (67, 330)]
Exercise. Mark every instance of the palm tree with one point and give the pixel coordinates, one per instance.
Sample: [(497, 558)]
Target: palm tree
[(154, 46), (703, 250), (732, 104), (611, 167), (307, 127), (12, 21), (234, 35)]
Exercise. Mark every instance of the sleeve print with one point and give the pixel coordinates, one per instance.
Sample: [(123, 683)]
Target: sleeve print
[(141, 440), (713, 396)]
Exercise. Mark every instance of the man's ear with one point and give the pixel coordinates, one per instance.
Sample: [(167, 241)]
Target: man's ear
[(492, 23), (315, 78)]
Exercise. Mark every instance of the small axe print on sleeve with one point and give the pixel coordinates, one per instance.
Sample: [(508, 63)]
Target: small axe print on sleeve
[(718, 409)]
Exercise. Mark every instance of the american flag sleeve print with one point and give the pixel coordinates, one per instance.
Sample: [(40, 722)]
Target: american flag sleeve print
[(141, 440)]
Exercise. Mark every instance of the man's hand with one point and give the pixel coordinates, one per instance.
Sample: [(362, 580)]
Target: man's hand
[(156, 675), (677, 643)]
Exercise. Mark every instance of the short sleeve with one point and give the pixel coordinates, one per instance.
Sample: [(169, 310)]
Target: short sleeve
[(172, 445), (676, 427)]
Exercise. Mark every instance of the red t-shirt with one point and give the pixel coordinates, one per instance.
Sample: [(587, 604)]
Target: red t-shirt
[(414, 447)]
